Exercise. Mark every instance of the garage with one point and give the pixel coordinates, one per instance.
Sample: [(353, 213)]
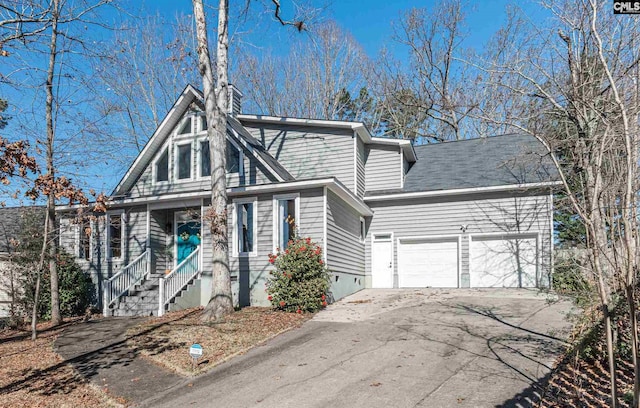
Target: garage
[(428, 262), (509, 261)]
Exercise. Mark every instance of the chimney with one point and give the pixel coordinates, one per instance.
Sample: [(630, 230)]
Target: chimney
[(235, 100)]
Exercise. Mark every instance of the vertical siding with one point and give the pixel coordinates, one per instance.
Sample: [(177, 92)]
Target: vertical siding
[(382, 167), (360, 171), (309, 152), (490, 213), (345, 252)]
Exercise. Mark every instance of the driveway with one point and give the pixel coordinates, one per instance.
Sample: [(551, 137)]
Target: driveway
[(396, 348)]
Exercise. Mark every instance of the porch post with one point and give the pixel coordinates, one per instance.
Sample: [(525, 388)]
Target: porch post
[(148, 263), (161, 297), (105, 298)]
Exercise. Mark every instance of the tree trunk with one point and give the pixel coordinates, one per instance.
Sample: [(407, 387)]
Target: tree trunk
[(220, 303), (56, 319), (36, 295)]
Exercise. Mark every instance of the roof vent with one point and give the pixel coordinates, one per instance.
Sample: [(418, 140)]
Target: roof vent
[(235, 101)]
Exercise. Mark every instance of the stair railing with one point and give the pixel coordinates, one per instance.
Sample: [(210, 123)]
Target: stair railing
[(176, 280), (129, 276)]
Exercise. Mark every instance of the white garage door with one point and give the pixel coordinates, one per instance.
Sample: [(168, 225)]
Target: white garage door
[(428, 263), (509, 262)]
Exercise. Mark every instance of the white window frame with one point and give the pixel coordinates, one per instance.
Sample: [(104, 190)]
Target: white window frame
[(236, 235), (199, 175), (176, 167), (276, 214), (78, 241), (363, 230), (123, 226), (194, 118), (165, 148)]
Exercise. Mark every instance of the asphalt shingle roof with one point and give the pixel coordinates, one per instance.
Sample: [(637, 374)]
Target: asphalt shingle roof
[(11, 222), (484, 162)]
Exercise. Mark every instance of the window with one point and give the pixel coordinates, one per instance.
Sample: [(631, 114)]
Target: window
[(203, 123), (184, 161), (115, 228), (162, 166), (233, 159), (245, 227), (186, 127), (205, 159), (363, 230), (84, 240), (286, 218)]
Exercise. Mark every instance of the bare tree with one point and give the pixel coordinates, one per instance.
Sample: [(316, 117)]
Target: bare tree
[(573, 84), (431, 97), (312, 79)]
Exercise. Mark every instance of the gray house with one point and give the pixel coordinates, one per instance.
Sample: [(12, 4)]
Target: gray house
[(388, 214)]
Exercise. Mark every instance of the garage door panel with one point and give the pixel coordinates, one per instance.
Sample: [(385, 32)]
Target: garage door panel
[(503, 262), (428, 263)]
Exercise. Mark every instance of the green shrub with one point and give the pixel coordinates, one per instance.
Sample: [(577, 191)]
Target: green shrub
[(300, 281), (77, 291), (569, 279)]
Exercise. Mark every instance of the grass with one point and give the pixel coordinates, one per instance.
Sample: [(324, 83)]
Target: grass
[(168, 338), (33, 375)]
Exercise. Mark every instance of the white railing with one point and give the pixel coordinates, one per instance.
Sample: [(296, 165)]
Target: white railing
[(124, 280), (178, 278)]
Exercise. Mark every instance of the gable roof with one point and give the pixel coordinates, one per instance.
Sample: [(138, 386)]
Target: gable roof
[(175, 114), (514, 159)]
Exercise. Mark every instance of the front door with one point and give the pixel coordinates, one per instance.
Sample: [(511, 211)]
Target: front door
[(382, 261), (187, 234)]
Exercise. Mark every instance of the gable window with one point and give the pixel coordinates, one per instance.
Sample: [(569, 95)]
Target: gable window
[(245, 211), (115, 230), (203, 123), (233, 159), (162, 167), (186, 127), (183, 153), (286, 210), (84, 240)]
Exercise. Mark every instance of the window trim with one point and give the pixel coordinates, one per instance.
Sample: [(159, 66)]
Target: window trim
[(154, 172), (276, 214), (176, 153), (363, 230), (236, 202), (123, 224)]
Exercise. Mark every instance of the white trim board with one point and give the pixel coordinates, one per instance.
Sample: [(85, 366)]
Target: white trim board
[(458, 191)]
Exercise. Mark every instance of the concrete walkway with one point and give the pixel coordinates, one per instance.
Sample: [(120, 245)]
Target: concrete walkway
[(98, 350)]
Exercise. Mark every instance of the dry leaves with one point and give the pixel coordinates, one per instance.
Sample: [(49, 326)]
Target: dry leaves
[(33, 375), (166, 340)]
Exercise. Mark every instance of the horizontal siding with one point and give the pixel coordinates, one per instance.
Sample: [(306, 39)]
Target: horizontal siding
[(308, 152), (345, 252), (382, 167), (491, 213), (360, 170)]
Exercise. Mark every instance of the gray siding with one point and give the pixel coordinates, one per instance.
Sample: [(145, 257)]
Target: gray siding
[(345, 252), (382, 167), (489, 213), (309, 152), (360, 170)]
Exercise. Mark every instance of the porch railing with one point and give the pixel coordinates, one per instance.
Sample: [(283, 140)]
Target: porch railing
[(177, 279), (124, 280)]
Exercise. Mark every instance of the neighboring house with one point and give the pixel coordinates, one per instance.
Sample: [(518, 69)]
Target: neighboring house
[(387, 214)]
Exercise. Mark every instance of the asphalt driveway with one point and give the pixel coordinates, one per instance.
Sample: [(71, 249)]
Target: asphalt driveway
[(396, 348)]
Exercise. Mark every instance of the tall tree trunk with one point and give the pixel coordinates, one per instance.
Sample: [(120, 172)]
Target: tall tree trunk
[(56, 318), (36, 295), (220, 303)]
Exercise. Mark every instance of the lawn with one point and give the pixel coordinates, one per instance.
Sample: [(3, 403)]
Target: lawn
[(166, 340), (33, 375)]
